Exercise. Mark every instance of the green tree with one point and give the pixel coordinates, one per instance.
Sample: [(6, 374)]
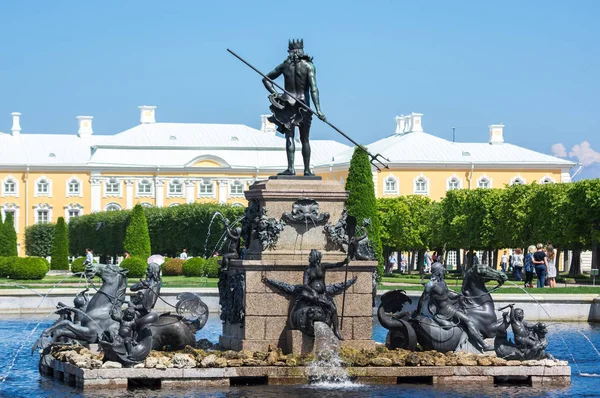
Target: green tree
[(137, 239), (9, 236), (60, 248), (362, 203), (39, 239)]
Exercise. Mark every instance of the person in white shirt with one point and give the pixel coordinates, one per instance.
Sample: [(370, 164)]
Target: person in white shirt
[(183, 255), (89, 257)]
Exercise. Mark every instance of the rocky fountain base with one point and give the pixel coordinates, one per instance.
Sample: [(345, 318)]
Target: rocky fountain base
[(194, 367)]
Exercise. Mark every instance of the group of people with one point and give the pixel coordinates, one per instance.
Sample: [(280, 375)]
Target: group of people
[(538, 260), (402, 267)]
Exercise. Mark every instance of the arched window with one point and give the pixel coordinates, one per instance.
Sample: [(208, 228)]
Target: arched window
[(390, 185), (112, 207), (518, 180), (175, 188), (73, 210), (113, 187), (421, 185), (43, 187), (237, 205), (237, 188), (206, 188), (144, 188), (14, 210), (453, 183), (145, 204), (10, 187), (43, 213), (484, 182), (74, 187), (174, 205), (546, 180)]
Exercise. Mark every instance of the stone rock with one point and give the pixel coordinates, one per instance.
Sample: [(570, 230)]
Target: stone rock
[(532, 363), (220, 363), (466, 361), (272, 357), (151, 362), (427, 359), (139, 366), (234, 363), (291, 361), (260, 355), (548, 362), (451, 361), (412, 359), (484, 361), (111, 365), (440, 361), (381, 362), (513, 363), (498, 361), (183, 361), (204, 344), (253, 362), (209, 361), (160, 366), (279, 363), (561, 363)]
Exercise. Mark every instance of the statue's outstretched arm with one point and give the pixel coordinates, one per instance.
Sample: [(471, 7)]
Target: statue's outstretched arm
[(335, 265), (274, 74)]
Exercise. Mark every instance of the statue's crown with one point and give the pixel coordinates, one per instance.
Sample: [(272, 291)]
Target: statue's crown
[(296, 44)]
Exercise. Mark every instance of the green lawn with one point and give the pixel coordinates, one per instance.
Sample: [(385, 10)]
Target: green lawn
[(48, 281), (512, 290)]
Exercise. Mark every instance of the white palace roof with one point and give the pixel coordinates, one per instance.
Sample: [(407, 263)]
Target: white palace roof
[(238, 147)]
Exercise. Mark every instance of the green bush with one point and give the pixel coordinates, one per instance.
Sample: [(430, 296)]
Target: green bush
[(194, 267), (211, 267), (77, 265), (137, 240), (8, 237), (23, 267), (39, 239), (60, 248), (173, 267), (136, 266)]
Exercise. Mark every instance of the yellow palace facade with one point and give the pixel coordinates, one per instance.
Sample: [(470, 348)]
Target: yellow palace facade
[(46, 176)]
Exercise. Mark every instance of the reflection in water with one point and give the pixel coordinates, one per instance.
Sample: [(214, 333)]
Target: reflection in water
[(25, 381)]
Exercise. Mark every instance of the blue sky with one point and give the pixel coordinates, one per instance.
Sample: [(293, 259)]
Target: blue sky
[(532, 65)]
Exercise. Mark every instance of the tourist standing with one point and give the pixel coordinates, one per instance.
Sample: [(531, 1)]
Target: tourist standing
[(428, 261), (183, 255), (540, 260), (529, 266), (517, 261), (89, 257), (391, 263), (551, 266), (504, 262), (402, 263)]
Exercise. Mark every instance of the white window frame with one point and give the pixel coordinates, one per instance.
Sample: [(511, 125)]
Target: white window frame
[(36, 191), (174, 204), (73, 207), (146, 204), (518, 178), (68, 187), (12, 208), (139, 193), (482, 178), (206, 182), (113, 181), (393, 179), (15, 182), (42, 208), (113, 204), (172, 183), (547, 180), (416, 180), (450, 179), (237, 204), (237, 183)]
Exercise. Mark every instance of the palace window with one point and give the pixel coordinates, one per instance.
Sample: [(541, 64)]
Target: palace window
[(546, 180), (43, 216), (421, 185), (113, 187), (484, 182), (10, 187), (144, 187), (175, 188), (112, 207), (453, 183), (206, 188), (145, 204), (237, 188), (74, 187), (517, 181), (391, 185), (43, 187), (73, 213)]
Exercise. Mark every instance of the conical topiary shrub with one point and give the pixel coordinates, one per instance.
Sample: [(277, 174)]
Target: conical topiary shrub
[(137, 239), (60, 248)]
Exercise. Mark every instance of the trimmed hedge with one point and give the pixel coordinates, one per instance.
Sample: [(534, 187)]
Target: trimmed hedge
[(198, 266), (60, 248), (23, 267), (171, 229), (137, 240), (136, 266), (8, 237), (173, 267), (77, 265), (39, 239)]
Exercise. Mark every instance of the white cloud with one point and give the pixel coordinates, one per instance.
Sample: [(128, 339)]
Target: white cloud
[(559, 150), (584, 153)]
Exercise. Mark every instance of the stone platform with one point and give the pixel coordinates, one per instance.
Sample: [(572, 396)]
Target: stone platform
[(548, 376)]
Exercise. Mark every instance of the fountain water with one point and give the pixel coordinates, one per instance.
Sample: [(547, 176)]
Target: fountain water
[(209, 227), (327, 369)]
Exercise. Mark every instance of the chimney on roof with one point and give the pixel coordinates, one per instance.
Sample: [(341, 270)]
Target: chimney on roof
[(147, 114), (496, 133), (16, 127), (85, 126), (400, 122), (415, 122), (408, 124), (266, 126)]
